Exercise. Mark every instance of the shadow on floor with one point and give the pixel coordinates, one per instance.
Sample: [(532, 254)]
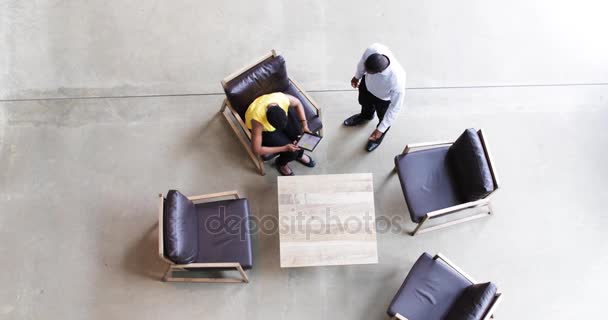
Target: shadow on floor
[(142, 258)]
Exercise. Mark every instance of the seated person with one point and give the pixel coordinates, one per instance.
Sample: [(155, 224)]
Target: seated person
[(267, 118)]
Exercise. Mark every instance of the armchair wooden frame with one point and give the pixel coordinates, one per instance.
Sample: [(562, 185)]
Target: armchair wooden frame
[(237, 123), (453, 209), (493, 305), (168, 275)]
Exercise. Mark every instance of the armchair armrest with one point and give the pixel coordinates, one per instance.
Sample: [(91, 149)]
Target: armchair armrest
[(411, 146), (161, 240), (490, 313), (238, 118), (312, 101), (209, 196), (212, 265), (399, 317), (444, 211), (440, 212), (453, 266), (484, 140)]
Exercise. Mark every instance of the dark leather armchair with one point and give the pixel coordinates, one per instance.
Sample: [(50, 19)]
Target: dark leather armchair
[(267, 75), (436, 289), (204, 235), (446, 178)]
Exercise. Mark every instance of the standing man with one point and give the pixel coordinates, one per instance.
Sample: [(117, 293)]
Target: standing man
[(381, 82)]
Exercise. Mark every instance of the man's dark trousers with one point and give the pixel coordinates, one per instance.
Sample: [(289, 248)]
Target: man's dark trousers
[(370, 103)]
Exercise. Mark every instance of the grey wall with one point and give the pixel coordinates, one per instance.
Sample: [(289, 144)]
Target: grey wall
[(112, 48)]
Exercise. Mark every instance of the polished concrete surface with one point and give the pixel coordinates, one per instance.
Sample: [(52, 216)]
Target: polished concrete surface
[(79, 177), (114, 48)]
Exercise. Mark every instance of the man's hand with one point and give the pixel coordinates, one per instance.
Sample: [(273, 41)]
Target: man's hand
[(375, 135), (354, 82), (291, 148)]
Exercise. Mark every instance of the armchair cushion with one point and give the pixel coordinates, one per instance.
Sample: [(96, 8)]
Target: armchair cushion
[(266, 77), (426, 181), (469, 164), (180, 228), (224, 232), (473, 302), (429, 290)]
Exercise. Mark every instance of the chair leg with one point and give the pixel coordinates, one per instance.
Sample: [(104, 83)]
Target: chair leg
[(256, 160), (167, 274), (420, 225), (243, 274), (261, 166)]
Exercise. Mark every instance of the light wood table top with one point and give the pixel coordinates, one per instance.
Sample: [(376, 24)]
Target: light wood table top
[(327, 220)]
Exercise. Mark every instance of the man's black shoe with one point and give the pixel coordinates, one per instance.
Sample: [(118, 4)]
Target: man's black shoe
[(355, 120), (373, 144)]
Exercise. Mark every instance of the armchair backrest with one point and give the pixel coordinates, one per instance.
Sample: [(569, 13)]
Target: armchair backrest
[(475, 302), (178, 226), (471, 166), (266, 76)]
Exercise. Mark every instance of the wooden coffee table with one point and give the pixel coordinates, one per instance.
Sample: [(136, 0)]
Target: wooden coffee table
[(327, 220)]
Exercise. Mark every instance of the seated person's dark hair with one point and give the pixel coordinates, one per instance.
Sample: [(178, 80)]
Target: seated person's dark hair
[(277, 117), (376, 63)]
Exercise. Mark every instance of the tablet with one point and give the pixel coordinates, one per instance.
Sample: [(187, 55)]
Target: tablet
[(308, 141)]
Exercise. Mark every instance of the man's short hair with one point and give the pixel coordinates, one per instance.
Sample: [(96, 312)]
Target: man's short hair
[(277, 117), (376, 63)]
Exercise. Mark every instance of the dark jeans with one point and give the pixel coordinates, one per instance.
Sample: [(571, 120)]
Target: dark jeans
[(370, 103), (279, 138)]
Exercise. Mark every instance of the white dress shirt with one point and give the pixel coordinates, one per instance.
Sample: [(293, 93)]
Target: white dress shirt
[(386, 85)]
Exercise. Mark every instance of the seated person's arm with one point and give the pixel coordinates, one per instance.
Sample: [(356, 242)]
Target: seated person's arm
[(256, 142), (296, 103)]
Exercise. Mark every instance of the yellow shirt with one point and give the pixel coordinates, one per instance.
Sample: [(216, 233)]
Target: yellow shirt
[(257, 109)]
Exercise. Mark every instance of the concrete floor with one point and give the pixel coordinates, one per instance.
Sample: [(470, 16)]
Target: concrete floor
[(79, 176)]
